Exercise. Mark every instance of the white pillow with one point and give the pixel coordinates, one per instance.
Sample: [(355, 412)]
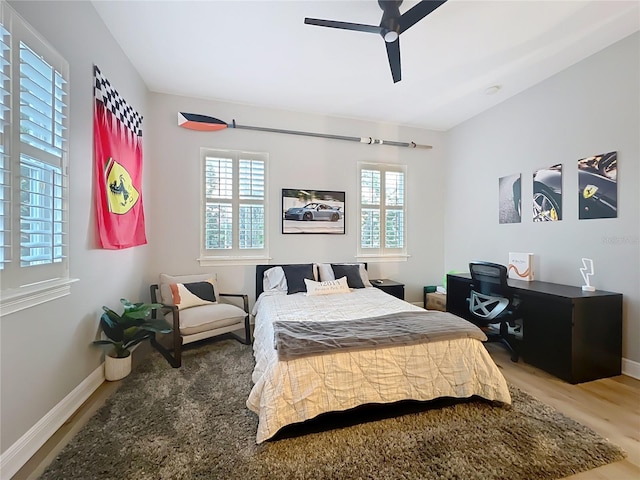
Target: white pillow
[(274, 279), (328, 287), (365, 276), (326, 272)]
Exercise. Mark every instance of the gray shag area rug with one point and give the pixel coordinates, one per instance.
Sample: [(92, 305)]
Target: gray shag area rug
[(192, 423)]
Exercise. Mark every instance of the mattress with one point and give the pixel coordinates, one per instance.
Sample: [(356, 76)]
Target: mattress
[(292, 391)]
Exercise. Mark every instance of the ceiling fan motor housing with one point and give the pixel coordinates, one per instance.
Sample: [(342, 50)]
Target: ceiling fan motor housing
[(392, 24)]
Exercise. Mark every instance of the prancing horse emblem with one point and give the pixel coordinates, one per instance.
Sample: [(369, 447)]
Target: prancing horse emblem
[(121, 194), (589, 191)]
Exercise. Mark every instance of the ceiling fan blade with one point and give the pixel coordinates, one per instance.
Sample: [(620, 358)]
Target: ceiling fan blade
[(393, 52), (412, 16), (358, 27)]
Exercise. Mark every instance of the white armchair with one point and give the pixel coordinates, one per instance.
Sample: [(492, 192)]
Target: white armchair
[(197, 310)]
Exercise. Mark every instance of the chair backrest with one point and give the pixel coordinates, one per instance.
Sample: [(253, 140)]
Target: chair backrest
[(490, 294), (489, 278)]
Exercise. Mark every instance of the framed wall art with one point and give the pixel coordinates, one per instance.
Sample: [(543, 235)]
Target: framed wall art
[(598, 186), (510, 199), (547, 194), (307, 211)]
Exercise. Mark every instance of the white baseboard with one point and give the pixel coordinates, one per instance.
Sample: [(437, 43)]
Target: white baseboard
[(631, 368), (22, 450)]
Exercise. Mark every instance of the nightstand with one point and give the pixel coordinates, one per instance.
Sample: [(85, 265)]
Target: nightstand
[(389, 286)]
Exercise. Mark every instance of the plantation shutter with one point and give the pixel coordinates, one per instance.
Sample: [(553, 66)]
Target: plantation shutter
[(251, 195), (5, 159), (382, 211), (234, 225), (33, 165), (42, 151)]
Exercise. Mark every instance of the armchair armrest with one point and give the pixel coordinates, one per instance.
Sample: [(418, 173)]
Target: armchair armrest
[(166, 308), (175, 360), (153, 290), (245, 299)]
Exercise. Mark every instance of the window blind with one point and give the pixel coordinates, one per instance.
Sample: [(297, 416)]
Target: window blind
[(33, 157), (234, 202)]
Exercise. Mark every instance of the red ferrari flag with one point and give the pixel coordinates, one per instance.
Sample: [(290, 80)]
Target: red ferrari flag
[(117, 137)]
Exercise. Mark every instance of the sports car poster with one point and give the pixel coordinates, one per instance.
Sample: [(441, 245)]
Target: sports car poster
[(598, 186), (510, 199), (312, 211), (547, 194)]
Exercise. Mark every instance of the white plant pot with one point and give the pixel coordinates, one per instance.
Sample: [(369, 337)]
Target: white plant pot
[(116, 368)]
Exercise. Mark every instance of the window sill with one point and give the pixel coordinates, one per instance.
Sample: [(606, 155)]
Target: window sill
[(17, 299), (382, 258), (222, 261)]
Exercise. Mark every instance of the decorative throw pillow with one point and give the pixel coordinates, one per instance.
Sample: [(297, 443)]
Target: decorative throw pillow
[(352, 272), (186, 295), (295, 277), (165, 281), (327, 288)]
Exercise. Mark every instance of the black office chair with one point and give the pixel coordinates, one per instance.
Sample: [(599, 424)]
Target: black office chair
[(491, 301)]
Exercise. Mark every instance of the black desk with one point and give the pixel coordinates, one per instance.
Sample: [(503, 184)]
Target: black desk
[(574, 335)]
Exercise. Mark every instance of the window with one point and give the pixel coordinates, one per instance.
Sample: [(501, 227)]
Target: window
[(382, 211), (33, 166), (234, 207)]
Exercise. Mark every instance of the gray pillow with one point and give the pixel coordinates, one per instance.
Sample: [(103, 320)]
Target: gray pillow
[(295, 275), (352, 272)]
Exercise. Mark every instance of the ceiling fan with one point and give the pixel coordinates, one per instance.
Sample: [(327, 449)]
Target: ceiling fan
[(390, 28)]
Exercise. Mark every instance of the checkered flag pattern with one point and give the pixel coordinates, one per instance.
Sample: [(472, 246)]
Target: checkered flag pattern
[(112, 100)]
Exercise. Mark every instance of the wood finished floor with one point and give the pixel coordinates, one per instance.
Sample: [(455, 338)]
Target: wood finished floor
[(611, 407)]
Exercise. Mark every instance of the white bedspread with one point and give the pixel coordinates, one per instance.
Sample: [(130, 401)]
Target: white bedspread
[(292, 391)]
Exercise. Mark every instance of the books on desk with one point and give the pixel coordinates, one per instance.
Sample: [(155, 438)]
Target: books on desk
[(521, 266)]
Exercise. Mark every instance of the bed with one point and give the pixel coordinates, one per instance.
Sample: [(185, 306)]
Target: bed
[(289, 389)]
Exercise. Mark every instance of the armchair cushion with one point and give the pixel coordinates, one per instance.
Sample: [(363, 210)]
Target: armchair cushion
[(209, 317)]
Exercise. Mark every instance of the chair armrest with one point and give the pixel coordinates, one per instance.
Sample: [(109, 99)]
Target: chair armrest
[(244, 296), (175, 315), (153, 290)]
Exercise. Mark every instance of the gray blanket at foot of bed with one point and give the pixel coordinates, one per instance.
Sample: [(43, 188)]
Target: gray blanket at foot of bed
[(298, 339)]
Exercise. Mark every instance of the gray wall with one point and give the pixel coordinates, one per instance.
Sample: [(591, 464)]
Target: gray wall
[(45, 351), (294, 162), (590, 108)]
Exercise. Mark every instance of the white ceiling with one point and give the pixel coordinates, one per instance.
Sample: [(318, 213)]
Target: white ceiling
[(261, 53)]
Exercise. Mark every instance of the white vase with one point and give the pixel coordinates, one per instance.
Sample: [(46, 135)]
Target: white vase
[(116, 368)]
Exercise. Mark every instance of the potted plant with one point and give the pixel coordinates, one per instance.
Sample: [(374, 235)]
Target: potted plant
[(125, 330)]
